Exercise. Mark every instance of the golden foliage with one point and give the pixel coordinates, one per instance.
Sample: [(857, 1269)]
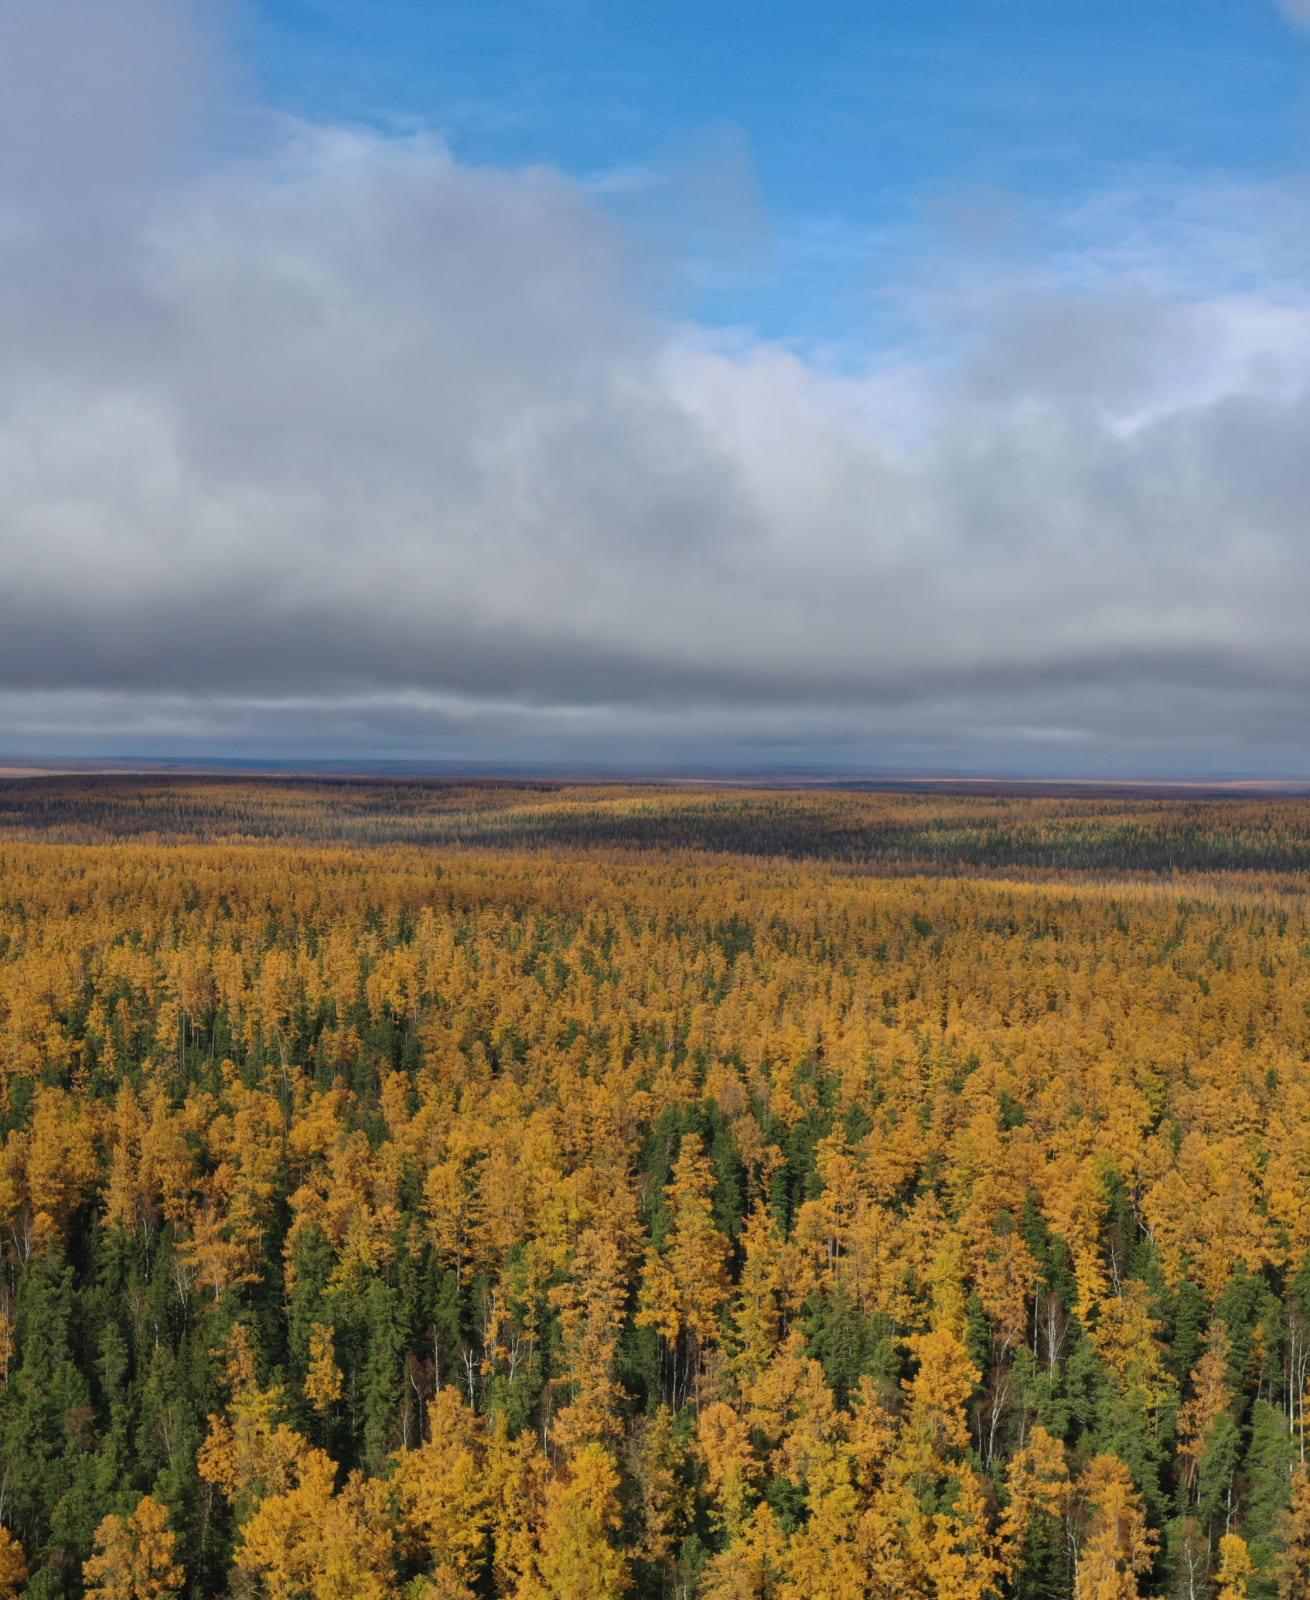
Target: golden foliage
[(323, 1381), (13, 1565), (743, 1193), (134, 1556)]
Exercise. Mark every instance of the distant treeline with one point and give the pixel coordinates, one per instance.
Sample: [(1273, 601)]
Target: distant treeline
[(894, 831)]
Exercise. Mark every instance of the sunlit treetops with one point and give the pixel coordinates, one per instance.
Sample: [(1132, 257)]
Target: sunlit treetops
[(581, 1221)]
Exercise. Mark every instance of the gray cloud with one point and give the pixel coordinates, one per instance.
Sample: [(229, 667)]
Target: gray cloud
[(99, 104), (334, 446)]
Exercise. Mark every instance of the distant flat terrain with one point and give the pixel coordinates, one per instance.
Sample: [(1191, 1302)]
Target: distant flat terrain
[(936, 828)]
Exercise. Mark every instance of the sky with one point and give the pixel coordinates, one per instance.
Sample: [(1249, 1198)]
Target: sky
[(914, 385)]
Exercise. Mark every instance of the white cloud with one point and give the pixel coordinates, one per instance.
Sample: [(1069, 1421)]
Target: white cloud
[(344, 446)]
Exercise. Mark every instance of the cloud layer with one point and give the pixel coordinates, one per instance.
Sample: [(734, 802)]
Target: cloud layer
[(330, 445)]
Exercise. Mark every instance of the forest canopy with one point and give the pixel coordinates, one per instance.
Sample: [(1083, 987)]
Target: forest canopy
[(561, 1192)]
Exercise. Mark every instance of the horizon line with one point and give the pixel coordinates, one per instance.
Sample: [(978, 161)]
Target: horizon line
[(669, 773)]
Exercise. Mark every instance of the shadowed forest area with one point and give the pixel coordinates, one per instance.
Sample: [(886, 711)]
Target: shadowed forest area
[(987, 828), (558, 1192)]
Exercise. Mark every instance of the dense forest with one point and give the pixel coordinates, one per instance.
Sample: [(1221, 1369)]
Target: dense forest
[(918, 828), (545, 1192)]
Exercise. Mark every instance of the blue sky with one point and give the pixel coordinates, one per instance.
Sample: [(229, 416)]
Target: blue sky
[(795, 154)]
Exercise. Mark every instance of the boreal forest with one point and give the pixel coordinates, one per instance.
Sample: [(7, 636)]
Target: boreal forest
[(499, 1191)]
